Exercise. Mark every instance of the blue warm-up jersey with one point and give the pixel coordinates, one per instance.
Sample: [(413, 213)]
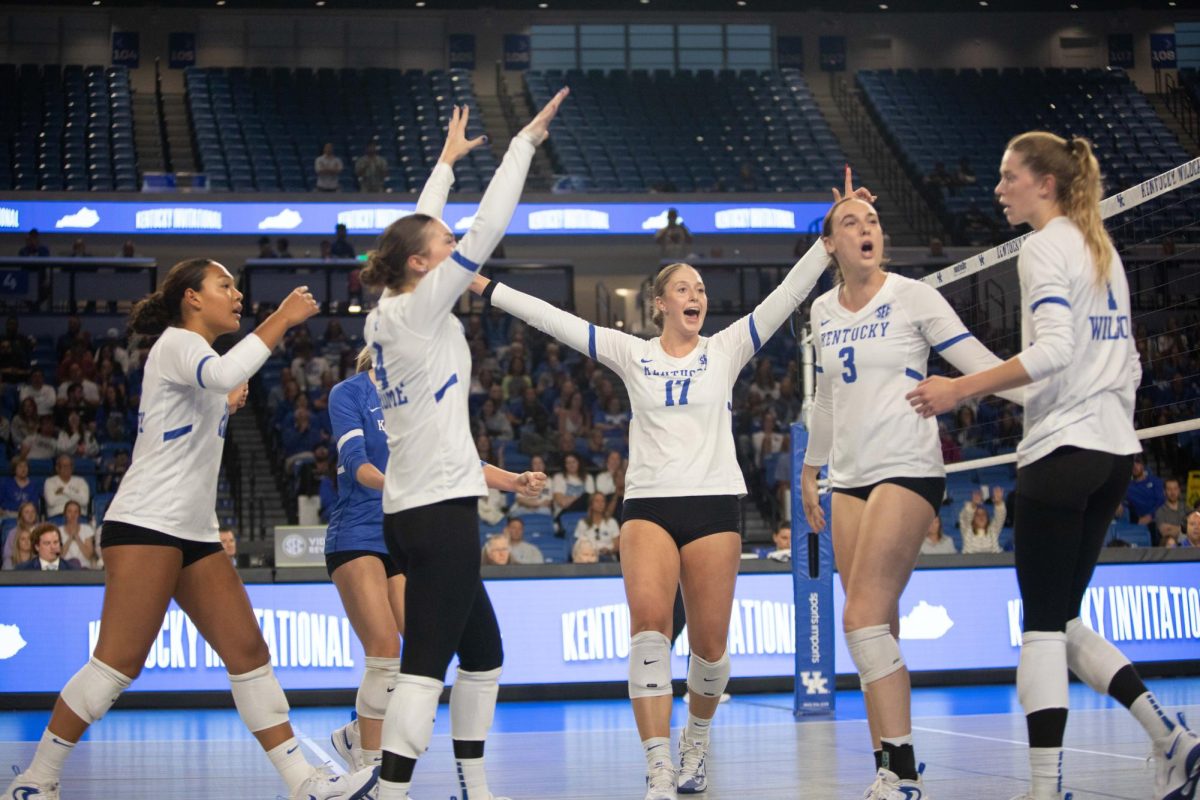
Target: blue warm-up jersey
[(356, 521)]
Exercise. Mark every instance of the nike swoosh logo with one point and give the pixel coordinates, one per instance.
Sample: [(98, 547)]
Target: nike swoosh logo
[(391, 689), (825, 322), (710, 680), (346, 739), (294, 749), (24, 793), (911, 792), (56, 740), (648, 663), (645, 360), (376, 408)]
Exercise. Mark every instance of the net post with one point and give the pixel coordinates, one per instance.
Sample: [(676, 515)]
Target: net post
[(812, 583)]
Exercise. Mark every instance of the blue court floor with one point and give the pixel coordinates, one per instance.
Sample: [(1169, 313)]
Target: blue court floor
[(971, 739)]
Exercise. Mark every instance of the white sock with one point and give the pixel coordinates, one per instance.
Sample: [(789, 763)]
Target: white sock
[(697, 729), (393, 791), (372, 758), (472, 780), (658, 751), (1149, 713), (1045, 767), (48, 761), (290, 761)]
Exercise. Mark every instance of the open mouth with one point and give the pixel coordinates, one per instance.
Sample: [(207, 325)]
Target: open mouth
[(867, 249), (692, 313)]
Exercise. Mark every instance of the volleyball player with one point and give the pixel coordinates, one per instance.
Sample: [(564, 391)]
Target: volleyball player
[(433, 478), (873, 334), (1074, 463), (681, 519), (160, 533)]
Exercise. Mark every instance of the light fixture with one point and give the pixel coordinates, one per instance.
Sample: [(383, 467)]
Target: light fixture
[(741, 3), (983, 3), (645, 2), (95, 2), (1074, 6), (543, 5), (420, 3), (883, 6), (220, 2), (320, 3)]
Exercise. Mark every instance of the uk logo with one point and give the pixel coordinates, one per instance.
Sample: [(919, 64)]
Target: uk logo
[(883, 311), (814, 682), (704, 360)]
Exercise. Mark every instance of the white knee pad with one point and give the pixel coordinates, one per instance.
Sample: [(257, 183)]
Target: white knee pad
[(259, 698), (1092, 657), (473, 704), (379, 677), (93, 689), (408, 724), (649, 665), (1042, 671), (708, 678), (875, 652)]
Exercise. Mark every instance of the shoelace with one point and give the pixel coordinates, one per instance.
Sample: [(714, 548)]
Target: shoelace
[(662, 778), (871, 791), (691, 754)]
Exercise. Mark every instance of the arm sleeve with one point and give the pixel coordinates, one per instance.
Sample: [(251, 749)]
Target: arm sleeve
[(999, 513), (346, 420), (436, 191), (192, 362), (440, 289), (947, 336), (820, 426), (602, 344), (745, 337), (964, 521), (1043, 271)]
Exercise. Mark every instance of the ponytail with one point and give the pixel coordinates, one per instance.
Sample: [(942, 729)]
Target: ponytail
[(387, 264), (159, 310), (150, 316), (1078, 187)]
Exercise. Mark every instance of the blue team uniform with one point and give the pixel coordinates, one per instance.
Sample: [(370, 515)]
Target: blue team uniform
[(356, 521)]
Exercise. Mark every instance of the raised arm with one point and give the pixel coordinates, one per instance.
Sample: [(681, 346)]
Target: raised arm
[(437, 189)]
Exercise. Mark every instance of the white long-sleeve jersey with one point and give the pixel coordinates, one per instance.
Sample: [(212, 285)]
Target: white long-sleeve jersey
[(171, 486), (866, 362), (1079, 348), (681, 430), (422, 361)]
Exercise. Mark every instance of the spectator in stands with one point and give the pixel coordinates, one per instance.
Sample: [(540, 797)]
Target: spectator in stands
[(494, 421), (573, 417), (78, 537), (265, 250), (14, 367), (76, 440), (939, 177), (325, 253), (517, 379), (521, 551), (747, 180), (488, 452), (543, 503), (77, 373), (307, 368), (1145, 493), (572, 485), (788, 404), (64, 485), (937, 543), (371, 169), (597, 449), (328, 168), (599, 528), (75, 335), (965, 174), (43, 394), (18, 547), (128, 250), (1170, 519), (18, 489), (764, 388), (42, 445), (674, 239), (47, 543), (614, 419), (25, 423), (981, 534), (782, 539), (497, 552), (229, 543), (79, 249), (767, 441), (73, 404), (968, 432), (611, 483), (33, 246), (341, 247), (115, 471), (937, 248), (111, 419), (283, 248), (1192, 539), (300, 438), (584, 552)]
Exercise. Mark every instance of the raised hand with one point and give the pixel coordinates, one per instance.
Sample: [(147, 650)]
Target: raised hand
[(539, 127), (862, 192), (298, 306), (457, 144)]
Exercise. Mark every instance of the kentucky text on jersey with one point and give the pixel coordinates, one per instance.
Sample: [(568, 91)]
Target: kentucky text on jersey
[(857, 333)]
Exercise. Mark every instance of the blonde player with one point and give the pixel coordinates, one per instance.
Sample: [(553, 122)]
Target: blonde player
[(874, 332), (160, 533), (1074, 462)]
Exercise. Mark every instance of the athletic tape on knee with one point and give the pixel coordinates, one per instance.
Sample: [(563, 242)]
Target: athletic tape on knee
[(379, 676), (649, 665), (93, 689), (1092, 657), (875, 652), (708, 678), (259, 698), (408, 724), (1042, 671), (473, 704)]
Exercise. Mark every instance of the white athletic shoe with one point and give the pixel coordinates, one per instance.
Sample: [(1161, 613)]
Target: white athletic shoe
[(347, 743), (1029, 796), (692, 777), (1177, 764), (24, 789), (660, 783), (324, 785), (889, 786)]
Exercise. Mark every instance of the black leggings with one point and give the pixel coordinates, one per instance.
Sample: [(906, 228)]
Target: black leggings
[(446, 608), (1066, 502)]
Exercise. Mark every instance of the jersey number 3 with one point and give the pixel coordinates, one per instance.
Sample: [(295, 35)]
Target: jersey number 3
[(849, 372), (683, 390)]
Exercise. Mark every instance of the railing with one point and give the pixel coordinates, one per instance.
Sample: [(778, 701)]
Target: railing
[(896, 182), (160, 110), (1183, 105), (69, 285)]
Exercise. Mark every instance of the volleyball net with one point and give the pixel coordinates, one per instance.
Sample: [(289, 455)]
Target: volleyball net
[(1155, 226)]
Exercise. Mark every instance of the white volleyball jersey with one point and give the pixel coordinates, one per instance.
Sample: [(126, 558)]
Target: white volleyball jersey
[(866, 362), (1080, 349), (423, 363), (171, 485), (681, 428)]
